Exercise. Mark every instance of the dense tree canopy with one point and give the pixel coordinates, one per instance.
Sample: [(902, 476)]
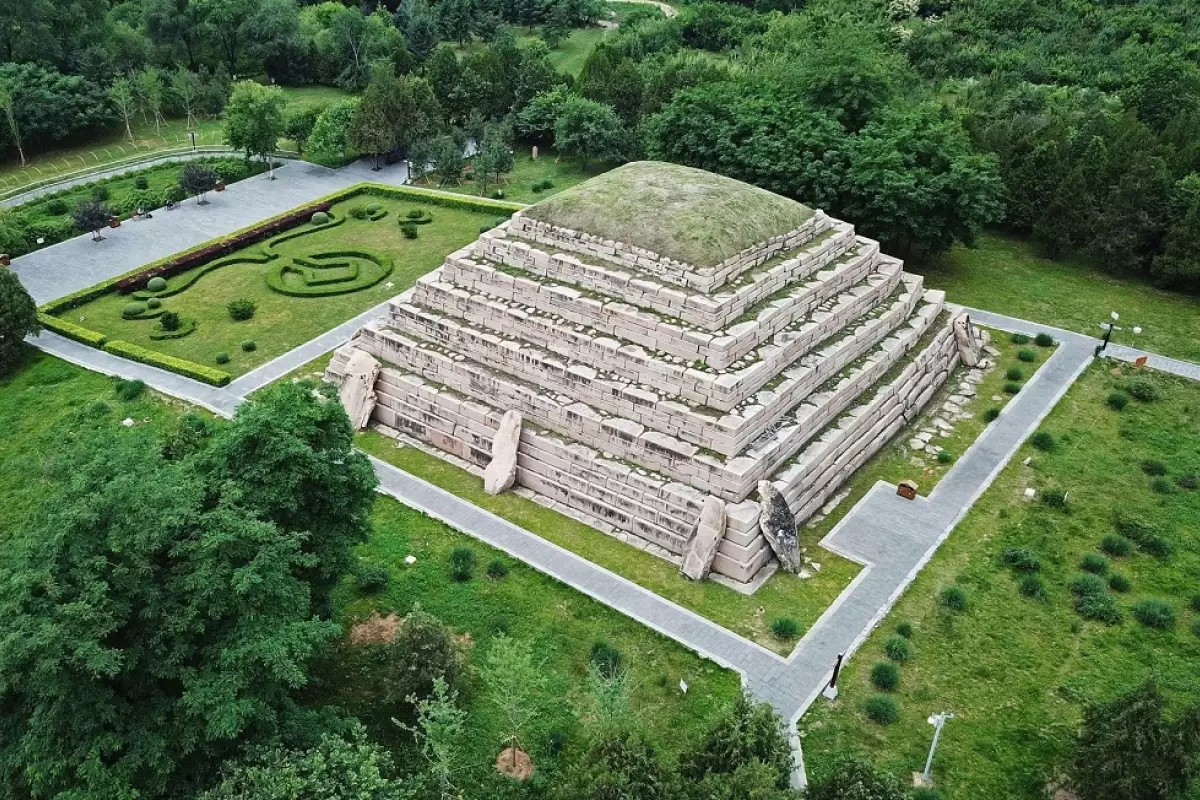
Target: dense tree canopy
[(18, 319)]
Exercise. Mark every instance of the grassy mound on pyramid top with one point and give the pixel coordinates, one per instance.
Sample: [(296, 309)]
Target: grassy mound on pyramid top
[(682, 213)]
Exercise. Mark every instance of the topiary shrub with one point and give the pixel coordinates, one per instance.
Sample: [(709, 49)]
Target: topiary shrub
[(140, 182), (222, 358), (409, 230), (1044, 441), (1021, 559), (897, 648), (462, 563), (1026, 355), (497, 569), (358, 211), (248, 346), (371, 578), (1152, 467), (1020, 338), (1054, 497), (169, 321), (785, 628), (414, 214), (1143, 390), (319, 218), (1094, 563), (1118, 582), (1031, 586), (153, 303), (241, 309), (991, 415), (1117, 400), (944, 457), (885, 675), (905, 629), (953, 598), (1154, 613), (606, 657), (882, 709), (1012, 387), (131, 310), (1116, 545), (156, 284), (1015, 374), (129, 390), (1043, 340)]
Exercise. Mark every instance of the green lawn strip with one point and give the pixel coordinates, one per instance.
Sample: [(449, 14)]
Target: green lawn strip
[(1007, 276), (749, 616), (1017, 672), (517, 185), (283, 322), (573, 51)]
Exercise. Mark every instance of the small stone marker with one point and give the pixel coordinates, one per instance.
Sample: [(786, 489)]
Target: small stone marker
[(1030, 493), (907, 490), (683, 685), (535, 152), (1139, 362), (410, 560)]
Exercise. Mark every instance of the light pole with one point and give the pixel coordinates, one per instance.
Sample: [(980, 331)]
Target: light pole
[(192, 133), (1109, 327), (831, 691), (937, 721)]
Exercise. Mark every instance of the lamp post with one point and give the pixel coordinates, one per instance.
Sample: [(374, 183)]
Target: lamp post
[(1109, 327), (831, 691), (937, 721), (192, 133)]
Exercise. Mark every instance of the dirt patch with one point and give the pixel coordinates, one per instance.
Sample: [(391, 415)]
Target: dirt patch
[(515, 763), (375, 629)]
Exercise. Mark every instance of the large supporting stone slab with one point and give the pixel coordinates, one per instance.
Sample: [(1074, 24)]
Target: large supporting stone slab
[(702, 548), (501, 471), (779, 526), (970, 345), (358, 388)]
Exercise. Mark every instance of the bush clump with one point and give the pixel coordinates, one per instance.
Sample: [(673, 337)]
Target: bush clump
[(1020, 338), (1055, 497), (1118, 582), (1026, 355), (358, 211), (153, 303), (897, 648), (1149, 537), (1116, 545), (140, 182), (131, 310), (885, 676), (129, 390), (415, 214), (462, 563), (542, 186), (222, 358), (248, 346), (953, 598), (606, 657), (1153, 468), (1189, 481), (1143, 390), (156, 284), (1195, 603), (371, 578), (409, 230), (944, 457), (1154, 613), (1012, 387), (1094, 563), (1043, 339), (319, 218), (497, 568), (905, 629), (169, 321), (1022, 559), (1117, 400), (1015, 374), (241, 309), (1162, 485), (882, 709), (991, 415), (785, 628), (1031, 586), (1092, 600), (1044, 441)]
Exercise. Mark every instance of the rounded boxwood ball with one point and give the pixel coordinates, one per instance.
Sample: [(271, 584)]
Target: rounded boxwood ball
[(320, 218), (882, 709), (153, 302), (885, 675), (133, 310), (249, 346), (222, 358), (156, 284)]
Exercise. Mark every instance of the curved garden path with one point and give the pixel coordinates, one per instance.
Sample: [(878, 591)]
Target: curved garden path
[(893, 539)]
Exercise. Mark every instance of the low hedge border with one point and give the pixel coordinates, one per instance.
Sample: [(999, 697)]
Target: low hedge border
[(152, 358), (183, 286), (334, 221), (275, 276), (186, 328), (71, 330), (444, 199)]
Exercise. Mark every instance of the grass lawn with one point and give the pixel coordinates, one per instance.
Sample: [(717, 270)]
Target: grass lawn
[(47, 398), (1007, 276), (783, 595), (116, 145), (567, 57), (283, 322), (527, 171), (1016, 671)]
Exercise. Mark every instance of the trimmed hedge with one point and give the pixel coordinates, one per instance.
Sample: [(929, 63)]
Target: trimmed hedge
[(189, 369), (186, 328), (446, 200), (383, 261), (71, 330)]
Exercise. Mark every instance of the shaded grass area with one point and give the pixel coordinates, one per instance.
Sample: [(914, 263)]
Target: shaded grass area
[(528, 172), (46, 396), (1007, 276), (568, 56), (1018, 671), (283, 322), (784, 595)]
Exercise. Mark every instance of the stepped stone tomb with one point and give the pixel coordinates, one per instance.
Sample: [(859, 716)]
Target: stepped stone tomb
[(685, 361)]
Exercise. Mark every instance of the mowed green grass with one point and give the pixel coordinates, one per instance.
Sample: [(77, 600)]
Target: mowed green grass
[(784, 595), (1007, 276), (283, 322), (48, 398), (527, 171), (1018, 672)]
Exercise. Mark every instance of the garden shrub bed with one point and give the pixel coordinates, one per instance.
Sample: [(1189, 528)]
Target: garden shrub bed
[(71, 330), (189, 369)]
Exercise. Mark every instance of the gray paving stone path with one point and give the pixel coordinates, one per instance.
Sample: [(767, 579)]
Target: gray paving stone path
[(892, 538)]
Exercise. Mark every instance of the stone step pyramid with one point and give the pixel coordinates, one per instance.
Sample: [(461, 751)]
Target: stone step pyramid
[(670, 340)]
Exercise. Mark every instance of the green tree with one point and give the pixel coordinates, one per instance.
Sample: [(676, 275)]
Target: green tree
[(299, 125), (357, 40), (423, 36), (446, 155), (230, 24), (186, 88), (439, 732), (254, 120), (589, 130), (197, 179), (175, 23), (151, 92), (854, 780), (1179, 263), (123, 96), (90, 217), (372, 130), (493, 159), (1129, 749), (516, 686), (328, 142), (536, 121), (349, 767), (620, 766), (6, 105), (18, 319), (748, 732)]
